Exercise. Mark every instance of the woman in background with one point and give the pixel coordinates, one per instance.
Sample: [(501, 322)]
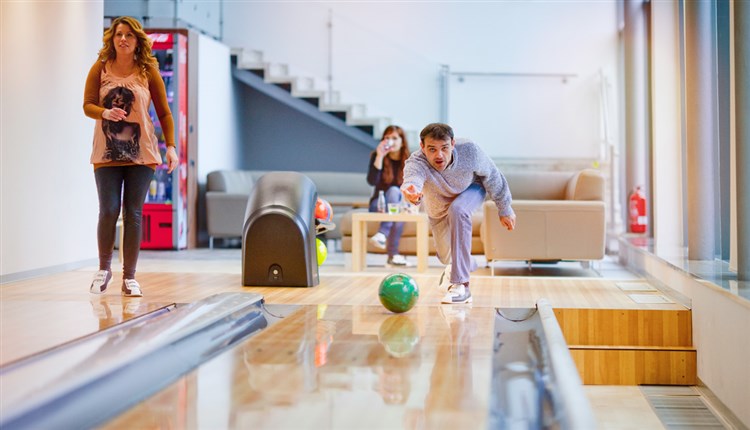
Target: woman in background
[(386, 174)]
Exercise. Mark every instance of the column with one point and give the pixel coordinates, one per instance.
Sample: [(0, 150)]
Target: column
[(666, 128), (700, 127), (637, 160), (742, 114)]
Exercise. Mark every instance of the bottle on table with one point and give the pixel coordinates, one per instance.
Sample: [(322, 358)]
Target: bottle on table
[(381, 202)]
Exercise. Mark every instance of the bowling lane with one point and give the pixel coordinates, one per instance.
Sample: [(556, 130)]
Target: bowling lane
[(30, 326), (326, 366)]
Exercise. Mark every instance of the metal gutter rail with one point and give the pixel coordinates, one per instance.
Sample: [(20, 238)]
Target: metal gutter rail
[(86, 383), (535, 383)]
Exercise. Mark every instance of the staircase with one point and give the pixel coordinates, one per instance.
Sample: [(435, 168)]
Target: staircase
[(353, 116)]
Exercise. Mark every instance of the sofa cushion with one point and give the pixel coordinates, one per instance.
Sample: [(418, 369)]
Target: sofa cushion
[(538, 185), (587, 184), (338, 185), (230, 181), (225, 213)]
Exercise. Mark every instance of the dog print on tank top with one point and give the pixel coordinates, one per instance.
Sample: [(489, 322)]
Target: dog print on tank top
[(123, 136), (133, 139)]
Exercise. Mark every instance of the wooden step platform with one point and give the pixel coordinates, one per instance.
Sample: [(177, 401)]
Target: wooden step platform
[(631, 346)]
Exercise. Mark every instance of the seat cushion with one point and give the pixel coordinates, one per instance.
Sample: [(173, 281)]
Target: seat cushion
[(529, 185), (231, 181)]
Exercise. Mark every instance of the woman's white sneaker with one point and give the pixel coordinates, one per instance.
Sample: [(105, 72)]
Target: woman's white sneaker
[(397, 261), (378, 240), (130, 288), (101, 281)]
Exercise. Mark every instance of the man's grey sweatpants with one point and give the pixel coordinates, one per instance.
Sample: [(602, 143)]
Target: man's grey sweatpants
[(452, 233)]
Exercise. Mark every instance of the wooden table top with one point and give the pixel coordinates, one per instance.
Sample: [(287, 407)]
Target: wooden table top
[(378, 216)]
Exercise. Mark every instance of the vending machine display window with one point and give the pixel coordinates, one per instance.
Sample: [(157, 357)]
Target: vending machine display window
[(165, 211)]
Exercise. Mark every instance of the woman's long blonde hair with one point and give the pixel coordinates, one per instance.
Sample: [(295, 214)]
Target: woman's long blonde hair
[(143, 56)]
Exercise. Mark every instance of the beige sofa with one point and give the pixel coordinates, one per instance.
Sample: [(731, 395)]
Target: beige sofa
[(560, 216), (227, 193)]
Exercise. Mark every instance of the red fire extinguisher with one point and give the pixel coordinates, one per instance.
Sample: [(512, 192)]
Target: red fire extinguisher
[(637, 213)]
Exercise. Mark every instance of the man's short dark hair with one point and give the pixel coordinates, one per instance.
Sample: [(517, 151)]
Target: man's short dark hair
[(437, 131)]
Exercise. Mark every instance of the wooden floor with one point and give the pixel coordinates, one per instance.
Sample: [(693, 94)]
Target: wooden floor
[(41, 313)]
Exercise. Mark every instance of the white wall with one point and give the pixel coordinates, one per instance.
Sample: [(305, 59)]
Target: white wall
[(49, 205), (212, 108), (388, 55)]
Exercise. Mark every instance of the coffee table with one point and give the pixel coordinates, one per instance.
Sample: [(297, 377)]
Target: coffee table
[(360, 236)]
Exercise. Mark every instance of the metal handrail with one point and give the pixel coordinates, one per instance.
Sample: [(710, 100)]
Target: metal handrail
[(563, 76)]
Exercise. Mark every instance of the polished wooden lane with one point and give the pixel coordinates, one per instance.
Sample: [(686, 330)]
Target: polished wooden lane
[(337, 289), (29, 327), (331, 366), (42, 312), (182, 281)]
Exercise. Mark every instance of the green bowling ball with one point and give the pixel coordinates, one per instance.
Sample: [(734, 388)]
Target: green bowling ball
[(399, 335), (398, 292)]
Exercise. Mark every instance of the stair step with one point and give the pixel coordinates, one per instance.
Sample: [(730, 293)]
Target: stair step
[(315, 101), (258, 72), (635, 365), (338, 114), (277, 69), (305, 84), (369, 129), (630, 346), (296, 92), (287, 86), (252, 55), (358, 110), (631, 327), (378, 124), (247, 55)]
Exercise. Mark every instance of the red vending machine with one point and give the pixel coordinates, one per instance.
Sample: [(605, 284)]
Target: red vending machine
[(165, 211)]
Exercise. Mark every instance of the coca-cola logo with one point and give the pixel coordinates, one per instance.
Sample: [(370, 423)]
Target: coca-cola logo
[(160, 37)]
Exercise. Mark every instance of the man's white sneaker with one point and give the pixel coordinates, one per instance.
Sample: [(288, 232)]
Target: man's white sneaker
[(457, 293), (454, 314), (396, 261), (101, 282), (445, 280), (130, 288), (378, 240)]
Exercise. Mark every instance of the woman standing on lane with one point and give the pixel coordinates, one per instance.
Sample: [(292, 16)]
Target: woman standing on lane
[(120, 87)]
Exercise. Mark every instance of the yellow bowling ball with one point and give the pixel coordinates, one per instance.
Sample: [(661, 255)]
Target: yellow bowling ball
[(322, 251)]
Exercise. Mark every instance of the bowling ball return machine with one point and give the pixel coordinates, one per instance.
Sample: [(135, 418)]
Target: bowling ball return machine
[(279, 232)]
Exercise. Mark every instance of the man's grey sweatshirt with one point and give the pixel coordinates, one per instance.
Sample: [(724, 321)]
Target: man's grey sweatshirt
[(469, 165)]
